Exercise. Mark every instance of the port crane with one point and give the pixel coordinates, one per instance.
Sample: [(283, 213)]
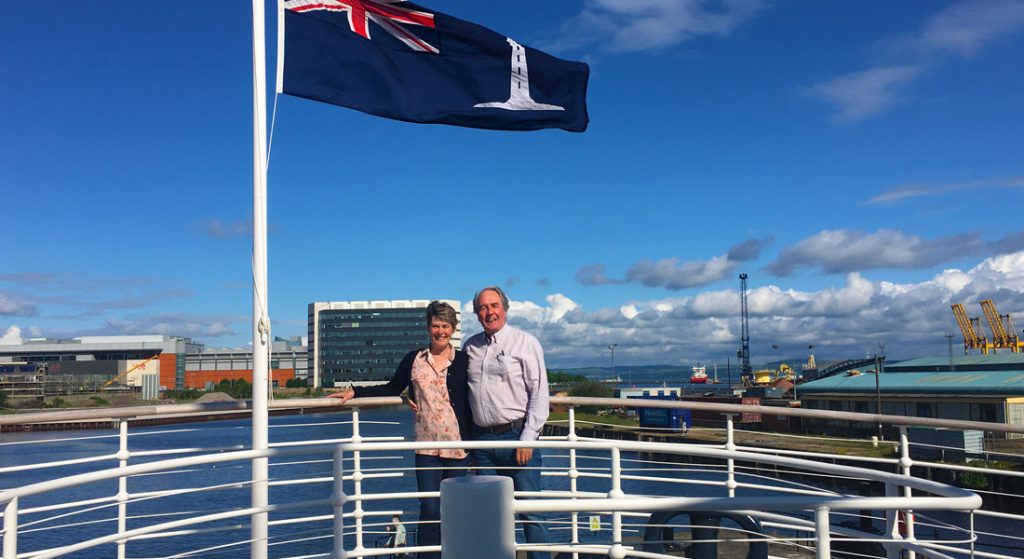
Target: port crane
[(1004, 335), (744, 352), (970, 327)]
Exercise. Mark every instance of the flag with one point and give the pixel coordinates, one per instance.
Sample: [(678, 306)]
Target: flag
[(394, 59)]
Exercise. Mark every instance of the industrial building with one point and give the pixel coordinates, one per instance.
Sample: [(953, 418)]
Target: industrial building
[(358, 341), (288, 360), (987, 388), (88, 363), (96, 363)]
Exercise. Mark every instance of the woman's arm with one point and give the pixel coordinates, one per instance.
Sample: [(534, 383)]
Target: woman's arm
[(398, 383)]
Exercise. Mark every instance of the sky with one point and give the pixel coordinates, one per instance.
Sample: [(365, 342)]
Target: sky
[(860, 161)]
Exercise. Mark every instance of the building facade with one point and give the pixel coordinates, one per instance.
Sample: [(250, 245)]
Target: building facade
[(88, 363), (359, 341), (969, 388), (288, 360), (96, 363)]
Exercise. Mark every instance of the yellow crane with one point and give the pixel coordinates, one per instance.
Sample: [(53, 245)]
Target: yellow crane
[(967, 326), (1004, 335), (137, 366)]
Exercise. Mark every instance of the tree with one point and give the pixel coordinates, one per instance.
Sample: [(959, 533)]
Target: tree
[(562, 377), (591, 389), (3, 399)]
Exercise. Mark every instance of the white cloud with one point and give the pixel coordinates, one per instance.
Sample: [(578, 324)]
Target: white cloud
[(844, 250), (859, 95), (219, 229), (174, 324), (636, 25), (839, 251), (674, 274), (960, 29), (907, 192), (11, 306), (12, 336), (842, 320), (965, 27)]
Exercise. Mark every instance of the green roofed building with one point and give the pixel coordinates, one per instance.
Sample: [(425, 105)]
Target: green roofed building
[(986, 388)]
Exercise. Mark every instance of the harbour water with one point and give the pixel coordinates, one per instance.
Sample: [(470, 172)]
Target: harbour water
[(287, 540)]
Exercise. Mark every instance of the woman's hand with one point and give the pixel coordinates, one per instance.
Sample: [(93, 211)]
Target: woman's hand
[(344, 395), (412, 405)]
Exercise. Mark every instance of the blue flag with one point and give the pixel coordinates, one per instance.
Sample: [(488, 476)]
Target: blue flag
[(395, 59)]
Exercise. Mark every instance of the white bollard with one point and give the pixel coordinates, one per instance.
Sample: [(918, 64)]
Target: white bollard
[(477, 518)]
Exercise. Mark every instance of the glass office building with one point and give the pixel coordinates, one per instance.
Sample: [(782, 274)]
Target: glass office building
[(364, 341)]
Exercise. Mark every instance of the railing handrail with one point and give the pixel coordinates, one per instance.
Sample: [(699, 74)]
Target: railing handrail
[(960, 499), (135, 412)]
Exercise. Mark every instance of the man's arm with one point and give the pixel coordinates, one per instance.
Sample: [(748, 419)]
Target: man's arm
[(535, 376)]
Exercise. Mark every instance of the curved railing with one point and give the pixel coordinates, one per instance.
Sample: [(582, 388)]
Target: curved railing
[(633, 488)]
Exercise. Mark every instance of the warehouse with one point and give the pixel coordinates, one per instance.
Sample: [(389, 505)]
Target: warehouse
[(987, 388)]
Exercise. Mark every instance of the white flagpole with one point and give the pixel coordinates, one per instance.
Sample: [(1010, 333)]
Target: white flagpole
[(260, 318)]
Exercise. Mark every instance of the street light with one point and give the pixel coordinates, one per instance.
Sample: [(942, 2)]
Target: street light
[(879, 363), (612, 347)]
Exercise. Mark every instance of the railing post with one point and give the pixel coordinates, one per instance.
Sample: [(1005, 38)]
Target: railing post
[(617, 549), (478, 518), (821, 526), (730, 444), (122, 487), (338, 503), (11, 529), (892, 551), (574, 474), (906, 462), (357, 485), (974, 537)]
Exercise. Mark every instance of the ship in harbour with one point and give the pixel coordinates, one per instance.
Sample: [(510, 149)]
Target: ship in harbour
[(700, 374)]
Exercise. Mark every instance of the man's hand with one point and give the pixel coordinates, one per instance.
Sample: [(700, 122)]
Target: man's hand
[(412, 405), (523, 456), (344, 395)]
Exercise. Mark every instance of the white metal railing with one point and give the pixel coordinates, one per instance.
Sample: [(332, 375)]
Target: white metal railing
[(782, 509)]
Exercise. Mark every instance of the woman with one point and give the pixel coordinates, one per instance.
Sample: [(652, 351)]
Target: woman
[(436, 378)]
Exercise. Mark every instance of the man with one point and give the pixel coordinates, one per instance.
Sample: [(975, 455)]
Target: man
[(397, 538), (508, 394)]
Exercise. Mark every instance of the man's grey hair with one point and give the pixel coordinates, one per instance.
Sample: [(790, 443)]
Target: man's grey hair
[(494, 288)]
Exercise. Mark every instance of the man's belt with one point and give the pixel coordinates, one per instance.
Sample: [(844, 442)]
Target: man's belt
[(503, 427)]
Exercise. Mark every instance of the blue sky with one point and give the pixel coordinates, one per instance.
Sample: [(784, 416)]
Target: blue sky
[(861, 161)]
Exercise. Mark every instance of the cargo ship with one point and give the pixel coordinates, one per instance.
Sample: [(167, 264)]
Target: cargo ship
[(700, 375)]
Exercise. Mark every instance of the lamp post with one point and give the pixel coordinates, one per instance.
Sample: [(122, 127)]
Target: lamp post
[(612, 347), (949, 340), (879, 363)]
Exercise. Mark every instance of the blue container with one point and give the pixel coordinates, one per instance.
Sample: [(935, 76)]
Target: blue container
[(664, 418)]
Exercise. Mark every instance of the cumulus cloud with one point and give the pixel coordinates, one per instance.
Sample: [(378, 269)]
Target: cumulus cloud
[(960, 29), (911, 191), (637, 25), (674, 274), (12, 336), (840, 251), (844, 320)]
